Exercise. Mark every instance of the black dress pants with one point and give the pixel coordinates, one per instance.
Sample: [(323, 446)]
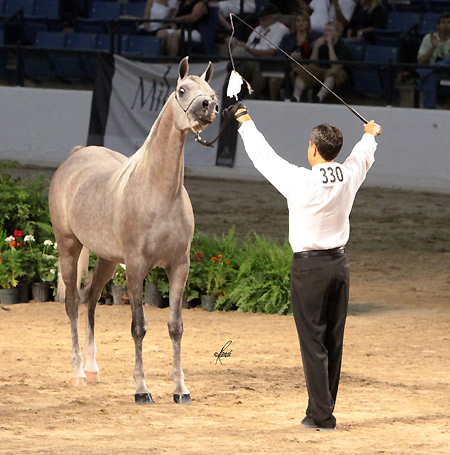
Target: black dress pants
[(319, 296)]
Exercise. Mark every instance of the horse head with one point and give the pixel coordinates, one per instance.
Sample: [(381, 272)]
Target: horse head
[(196, 99)]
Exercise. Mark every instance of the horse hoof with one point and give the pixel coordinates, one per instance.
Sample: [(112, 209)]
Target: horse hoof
[(143, 398), (78, 382), (182, 398), (92, 377)]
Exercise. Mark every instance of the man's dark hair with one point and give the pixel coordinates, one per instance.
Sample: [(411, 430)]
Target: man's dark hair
[(328, 139), (444, 15)]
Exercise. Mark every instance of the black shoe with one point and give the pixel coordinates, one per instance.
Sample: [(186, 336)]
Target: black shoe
[(309, 423)]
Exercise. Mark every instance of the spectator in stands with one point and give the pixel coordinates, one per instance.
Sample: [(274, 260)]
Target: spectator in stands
[(368, 14), (226, 7), (435, 49), (191, 12), (329, 48), (256, 46), (298, 45), (324, 11), (157, 9)]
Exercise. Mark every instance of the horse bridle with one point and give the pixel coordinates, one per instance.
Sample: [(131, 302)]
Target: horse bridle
[(197, 134)]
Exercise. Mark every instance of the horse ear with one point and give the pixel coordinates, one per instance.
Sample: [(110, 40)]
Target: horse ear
[(183, 68), (207, 75)]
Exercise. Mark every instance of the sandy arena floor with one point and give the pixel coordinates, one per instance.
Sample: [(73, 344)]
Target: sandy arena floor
[(394, 396)]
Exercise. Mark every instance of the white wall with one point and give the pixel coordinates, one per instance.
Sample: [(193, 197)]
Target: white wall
[(40, 126)]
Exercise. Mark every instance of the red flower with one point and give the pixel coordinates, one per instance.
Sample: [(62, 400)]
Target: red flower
[(228, 263), (214, 259), (198, 257), (219, 256), (18, 234), (13, 244)]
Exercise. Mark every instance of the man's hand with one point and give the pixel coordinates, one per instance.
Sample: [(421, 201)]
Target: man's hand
[(236, 111), (372, 128)]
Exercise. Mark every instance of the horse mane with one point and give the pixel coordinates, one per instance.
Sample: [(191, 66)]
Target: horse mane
[(138, 158)]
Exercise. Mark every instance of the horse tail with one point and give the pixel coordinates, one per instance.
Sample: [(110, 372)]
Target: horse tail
[(75, 149), (82, 270)]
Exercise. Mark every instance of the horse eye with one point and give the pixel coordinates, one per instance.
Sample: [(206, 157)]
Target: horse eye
[(182, 91)]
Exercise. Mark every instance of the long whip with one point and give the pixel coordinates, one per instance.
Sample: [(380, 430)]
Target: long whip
[(291, 58)]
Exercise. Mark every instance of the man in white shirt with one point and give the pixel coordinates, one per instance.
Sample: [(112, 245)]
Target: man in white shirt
[(256, 46), (319, 202)]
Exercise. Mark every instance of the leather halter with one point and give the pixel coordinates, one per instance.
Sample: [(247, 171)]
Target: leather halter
[(197, 134)]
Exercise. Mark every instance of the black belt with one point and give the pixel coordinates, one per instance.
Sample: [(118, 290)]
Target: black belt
[(313, 253)]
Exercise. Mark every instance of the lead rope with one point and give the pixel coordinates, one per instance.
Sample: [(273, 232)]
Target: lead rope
[(288, 56)]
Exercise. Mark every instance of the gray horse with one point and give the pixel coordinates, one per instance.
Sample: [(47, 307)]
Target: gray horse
[(134, 211)]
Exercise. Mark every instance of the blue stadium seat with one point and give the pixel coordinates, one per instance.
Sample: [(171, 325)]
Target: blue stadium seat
[(86, 60), (105, 10), (141, 46), (88, 25), (438, 6), (32, 25), (104, 42), (428, 23), (357, 50), (37, 63), (398, 24), (208, 31), (374, 82), (12, 6), (133, 9)]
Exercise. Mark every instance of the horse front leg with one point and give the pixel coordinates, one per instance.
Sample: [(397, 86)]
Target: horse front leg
[(177, 281), (103, 272), (135, 278)]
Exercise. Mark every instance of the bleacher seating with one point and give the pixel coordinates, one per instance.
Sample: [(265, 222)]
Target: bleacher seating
[(374, 82), (141, 46)]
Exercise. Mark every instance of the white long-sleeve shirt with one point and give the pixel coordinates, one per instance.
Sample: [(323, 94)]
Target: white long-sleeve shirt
[(319, 200)]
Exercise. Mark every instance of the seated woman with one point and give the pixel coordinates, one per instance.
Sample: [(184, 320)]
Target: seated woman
[(329, 48), (233, 6), (193, 12), (157, 9), (298, 45), (368, 14)]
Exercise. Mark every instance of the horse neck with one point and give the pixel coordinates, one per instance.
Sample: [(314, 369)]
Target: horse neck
[(163, 154)]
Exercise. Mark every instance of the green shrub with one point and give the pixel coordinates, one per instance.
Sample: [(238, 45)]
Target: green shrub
[(24, 205)]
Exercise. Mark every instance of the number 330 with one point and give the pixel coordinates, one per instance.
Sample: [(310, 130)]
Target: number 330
[(330, 175)]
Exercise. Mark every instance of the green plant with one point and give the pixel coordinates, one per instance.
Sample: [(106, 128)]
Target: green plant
[(11, 261), (262, 282), (120, 276), (23, 203)]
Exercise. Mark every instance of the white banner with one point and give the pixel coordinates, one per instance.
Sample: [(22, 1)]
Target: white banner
[(139, 91)]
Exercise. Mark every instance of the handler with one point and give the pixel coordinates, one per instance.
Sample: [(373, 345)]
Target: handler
[(319, 202)]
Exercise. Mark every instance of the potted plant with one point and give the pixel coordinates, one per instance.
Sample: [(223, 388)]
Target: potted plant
[(11, 269), (45, 259), (152, 295), (119, 286), (216, 278)]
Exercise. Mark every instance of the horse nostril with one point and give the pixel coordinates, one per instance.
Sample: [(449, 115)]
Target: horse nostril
[(216, 108), (205, 104)]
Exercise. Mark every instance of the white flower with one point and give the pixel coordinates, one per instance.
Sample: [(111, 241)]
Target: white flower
[(48, 242), (29, 238), (53, 271), (55, 246), (123, 266), (10, 239)]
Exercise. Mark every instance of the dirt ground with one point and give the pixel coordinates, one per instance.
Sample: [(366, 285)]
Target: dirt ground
[(394, 396)]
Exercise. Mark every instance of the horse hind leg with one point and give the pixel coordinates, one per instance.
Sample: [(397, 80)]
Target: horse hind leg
[(69, 251), (103, 272), (177, 281)]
